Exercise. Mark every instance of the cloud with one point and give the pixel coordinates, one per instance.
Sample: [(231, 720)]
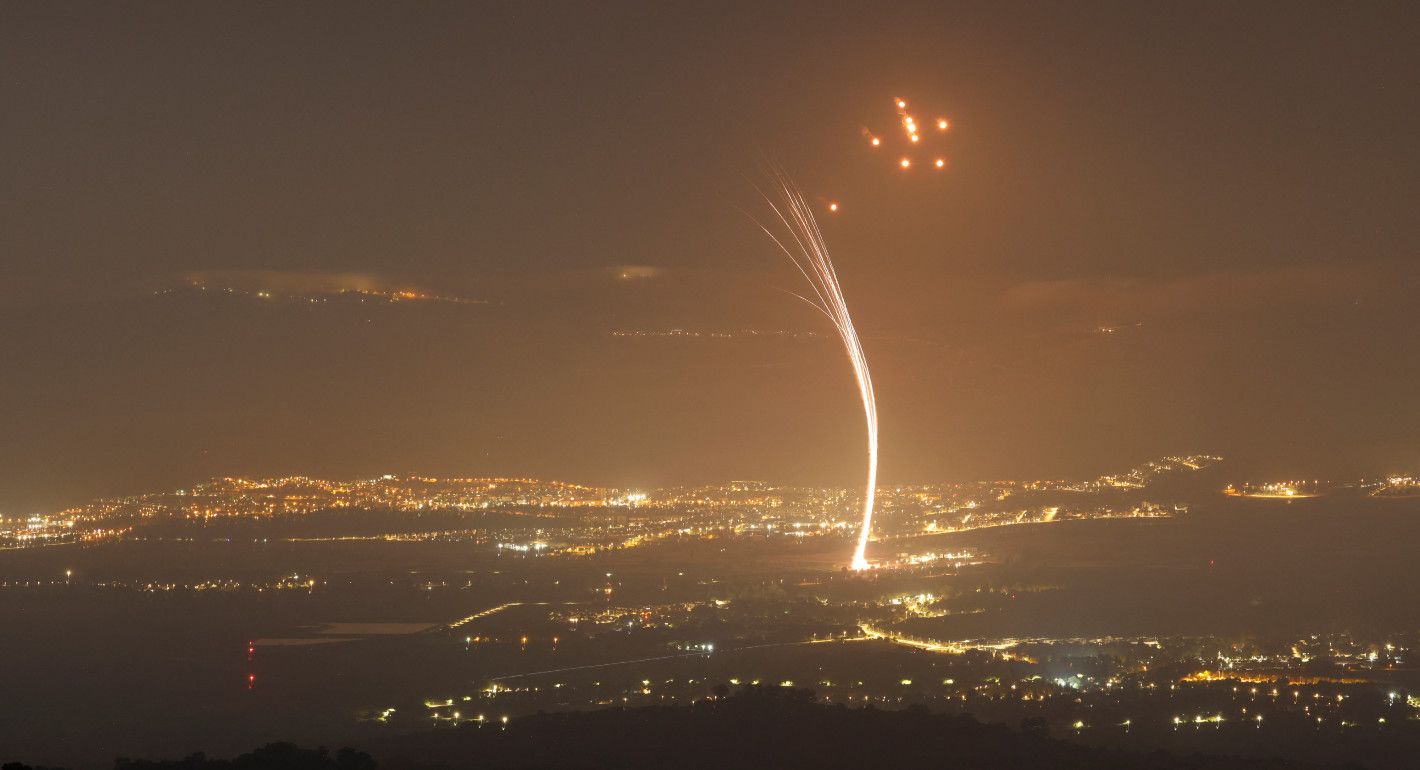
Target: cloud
[(636, 272), (1221, 291)]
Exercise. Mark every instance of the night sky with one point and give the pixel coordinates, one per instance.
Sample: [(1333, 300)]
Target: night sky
[(1231, 189)]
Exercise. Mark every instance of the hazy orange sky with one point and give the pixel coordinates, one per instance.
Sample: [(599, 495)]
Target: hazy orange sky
[(1230, 189)]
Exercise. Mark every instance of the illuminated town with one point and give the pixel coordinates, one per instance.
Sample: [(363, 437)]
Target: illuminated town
[(569, 597), (577, 520), (332, 295)]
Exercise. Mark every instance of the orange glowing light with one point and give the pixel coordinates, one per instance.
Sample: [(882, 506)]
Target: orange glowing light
[(915, 137), (905, 163), (901, 104), (876, 141), (942, 124), (833, 206), (941, 163)]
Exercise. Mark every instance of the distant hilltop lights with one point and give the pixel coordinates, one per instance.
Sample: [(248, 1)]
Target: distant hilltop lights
[(316, 297), (716, 334)]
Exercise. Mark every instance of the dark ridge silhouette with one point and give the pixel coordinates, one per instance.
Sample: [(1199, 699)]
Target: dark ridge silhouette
[(272, 756), (778, 728), (767, 728)]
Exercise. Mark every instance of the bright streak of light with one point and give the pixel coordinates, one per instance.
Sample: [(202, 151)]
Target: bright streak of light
[(810, 255), (493, 611), (483, 614)]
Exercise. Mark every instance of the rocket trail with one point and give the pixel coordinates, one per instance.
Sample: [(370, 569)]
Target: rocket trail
[(805, 247)]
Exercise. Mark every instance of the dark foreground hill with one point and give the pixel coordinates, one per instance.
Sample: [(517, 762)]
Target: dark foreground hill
[(767, 728), (781, 729)]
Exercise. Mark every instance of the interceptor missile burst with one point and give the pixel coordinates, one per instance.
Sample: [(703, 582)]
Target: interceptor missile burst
[(805, 247)]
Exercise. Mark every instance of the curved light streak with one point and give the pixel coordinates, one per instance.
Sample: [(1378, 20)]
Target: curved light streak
[(806, 249)]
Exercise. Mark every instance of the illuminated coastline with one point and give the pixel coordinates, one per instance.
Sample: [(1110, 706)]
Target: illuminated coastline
[(1276, 490)]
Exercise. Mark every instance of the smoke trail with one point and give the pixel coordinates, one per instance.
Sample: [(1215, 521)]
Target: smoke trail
[(806, 249)]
